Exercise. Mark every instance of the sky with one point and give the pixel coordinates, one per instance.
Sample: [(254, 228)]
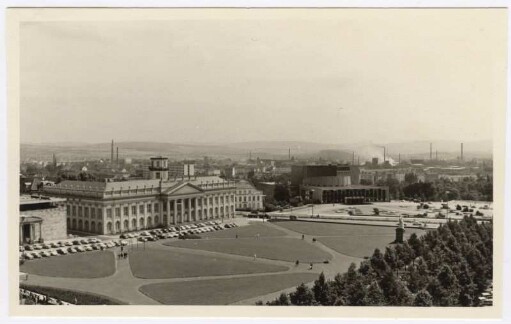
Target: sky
[(331, 76)]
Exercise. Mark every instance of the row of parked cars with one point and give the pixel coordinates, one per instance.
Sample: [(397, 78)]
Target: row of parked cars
[(177, 231), (70, 247), (59, 244)]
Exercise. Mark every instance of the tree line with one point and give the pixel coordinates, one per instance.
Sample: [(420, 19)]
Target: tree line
[(449, 266)]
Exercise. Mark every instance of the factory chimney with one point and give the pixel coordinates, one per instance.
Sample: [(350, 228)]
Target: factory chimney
[(461, 151), (384, 154), (112, 152), (289, 154)]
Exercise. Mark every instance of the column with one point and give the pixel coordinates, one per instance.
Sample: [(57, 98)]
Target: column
[(207, 207), (189, 210), (21, 234), (168, 212), (175, 211)]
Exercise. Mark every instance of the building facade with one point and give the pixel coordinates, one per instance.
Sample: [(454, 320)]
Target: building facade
[(41, 219), (118, 207), (248, 197)]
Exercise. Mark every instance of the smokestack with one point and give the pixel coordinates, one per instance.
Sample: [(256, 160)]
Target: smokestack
[(289, 154), (431, 151), (384, 154), (353, 159), (117, 157), (461, 151), (112, 152)]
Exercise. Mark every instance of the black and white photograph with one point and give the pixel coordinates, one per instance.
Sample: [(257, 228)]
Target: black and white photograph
[(234, 157)]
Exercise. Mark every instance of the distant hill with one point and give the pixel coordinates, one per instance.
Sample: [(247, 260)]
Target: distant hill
[(262, 149)]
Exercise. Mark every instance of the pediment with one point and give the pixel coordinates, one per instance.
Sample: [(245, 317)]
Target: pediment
[(183, 189)]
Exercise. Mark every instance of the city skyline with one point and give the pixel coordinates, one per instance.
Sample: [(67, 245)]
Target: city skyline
[(267, 78)]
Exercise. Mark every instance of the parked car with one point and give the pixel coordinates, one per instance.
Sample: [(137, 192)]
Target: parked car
[(68, 243), (37, 246), (45, 254), (71, 250), (76, 242), (88, 248), (124, 243), (61, 251), (46, 246), (143, 239), (80, 249), (28, 256), (53, 253), (37, 255), (54, 245)]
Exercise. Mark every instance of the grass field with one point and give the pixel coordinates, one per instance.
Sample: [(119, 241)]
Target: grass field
[(222, 291), (82, 265), (251, 230), (332, 229), (275, 248), (159, 264), (357, 246)]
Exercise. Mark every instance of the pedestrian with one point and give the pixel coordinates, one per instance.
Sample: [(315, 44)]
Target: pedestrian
[(297, 263), (236, 235), (310, 267), (303, 237), (255, 257)]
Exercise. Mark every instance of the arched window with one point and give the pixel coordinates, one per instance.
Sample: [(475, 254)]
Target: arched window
[(133, 224), (74, 224), (109, 227), (93, 227), (117, 226), (149, 222), (126, 225), (100, 228), (156, 221), (86, 226), (141, 223), (80, 225)]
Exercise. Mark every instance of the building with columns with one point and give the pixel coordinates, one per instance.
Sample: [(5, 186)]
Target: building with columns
[(118, 207)]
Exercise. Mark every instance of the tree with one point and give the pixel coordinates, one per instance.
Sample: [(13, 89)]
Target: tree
[(376, 211), (423, 299), (282, 300), (321, 290), (302, 296), (374, 296), (281, 193)]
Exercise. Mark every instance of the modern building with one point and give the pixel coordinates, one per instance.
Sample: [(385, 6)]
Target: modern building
[(248, 197), (41, 219), (123, 206), (181, 170), (335, 184)]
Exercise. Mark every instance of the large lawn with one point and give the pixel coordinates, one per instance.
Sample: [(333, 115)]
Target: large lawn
[(159, 264), (251, 230), (95, 264), (357, 246), (222, 291), (275, 248), (333, 229)]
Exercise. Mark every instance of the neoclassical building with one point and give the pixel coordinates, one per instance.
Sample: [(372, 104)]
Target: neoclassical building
[(248, 197), (117, 207)]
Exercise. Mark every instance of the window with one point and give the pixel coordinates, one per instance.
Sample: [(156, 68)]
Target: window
[(156, 207), (134, 210), (68, 210), (86, 211), (126, 211), (149, 208), (141, 208), (80, 211), (93, 212), (100, 213), (74, 210), (109, 212), (117, 211), (164, 207)]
